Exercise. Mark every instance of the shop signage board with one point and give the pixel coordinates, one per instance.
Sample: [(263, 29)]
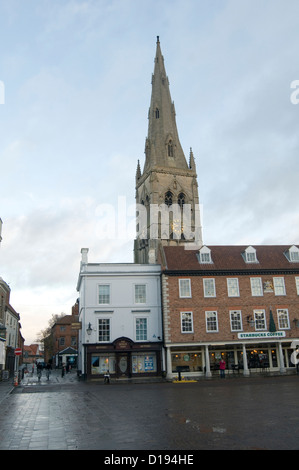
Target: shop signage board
[(262, 334)]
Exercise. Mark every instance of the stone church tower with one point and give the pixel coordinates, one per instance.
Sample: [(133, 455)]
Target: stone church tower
[(167, 204)]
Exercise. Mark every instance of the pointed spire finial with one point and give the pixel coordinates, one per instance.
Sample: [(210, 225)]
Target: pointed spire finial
[(158, 39)]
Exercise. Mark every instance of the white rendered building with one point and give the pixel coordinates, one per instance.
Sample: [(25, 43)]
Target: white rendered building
[(121, 321)]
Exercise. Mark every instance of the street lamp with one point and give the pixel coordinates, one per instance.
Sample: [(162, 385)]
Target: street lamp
[(89, 329)]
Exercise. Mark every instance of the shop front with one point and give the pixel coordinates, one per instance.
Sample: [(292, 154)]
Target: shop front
[(124, 359), (203, 360)]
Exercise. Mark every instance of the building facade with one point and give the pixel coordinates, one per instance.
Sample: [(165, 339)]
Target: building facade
[(10, 334), (121, 320), (233, 302), (61, 347)]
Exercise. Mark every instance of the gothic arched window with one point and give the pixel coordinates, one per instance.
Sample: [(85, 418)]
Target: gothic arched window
[(157, 113), (170, 148), (181, 200), (168, 198)]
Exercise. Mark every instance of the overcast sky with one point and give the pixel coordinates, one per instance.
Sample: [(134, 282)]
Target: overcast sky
[(75, 86)]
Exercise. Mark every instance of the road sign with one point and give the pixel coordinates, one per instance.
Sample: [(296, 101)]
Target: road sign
[(18, 352)]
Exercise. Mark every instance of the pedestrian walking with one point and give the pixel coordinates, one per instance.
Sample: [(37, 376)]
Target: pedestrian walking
[(48, 370), (62, 370), (107, 377), (39, 371), (222, 365)]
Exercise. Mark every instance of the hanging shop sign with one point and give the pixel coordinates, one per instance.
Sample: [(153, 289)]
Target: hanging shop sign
[(262, 334)]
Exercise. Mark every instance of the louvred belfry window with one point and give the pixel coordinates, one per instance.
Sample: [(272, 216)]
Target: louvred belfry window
[(168, 198)]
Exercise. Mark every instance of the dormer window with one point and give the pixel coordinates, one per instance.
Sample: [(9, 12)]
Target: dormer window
[(293, 254), (205, 255), (250, 255)]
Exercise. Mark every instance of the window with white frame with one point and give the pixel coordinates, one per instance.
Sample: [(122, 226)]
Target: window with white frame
[(294, 254), (104, 294), (140, 293), (250, 255), (104, 329), (235, 320), (283, 319), (297, 284), (233, 287), (185, 288), (209, 287), (205, 255), (211, 322), (279, 286), (260, 319), (141, 329), (256, 286), (186, 322)]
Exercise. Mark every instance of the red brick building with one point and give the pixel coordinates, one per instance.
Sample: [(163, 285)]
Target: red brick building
[(64, 340), (233, 302)]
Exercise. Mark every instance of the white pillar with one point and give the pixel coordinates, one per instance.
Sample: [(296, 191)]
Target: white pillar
[(281, 361), (245, 365), (208, 370), (168, 363)]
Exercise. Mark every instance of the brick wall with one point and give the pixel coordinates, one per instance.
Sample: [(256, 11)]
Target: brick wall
[(198, 304)]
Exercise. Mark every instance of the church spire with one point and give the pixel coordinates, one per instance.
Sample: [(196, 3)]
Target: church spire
[(162, 148), (168, 183)]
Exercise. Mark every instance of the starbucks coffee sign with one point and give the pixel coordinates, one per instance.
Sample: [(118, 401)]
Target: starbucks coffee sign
[(262, 334)]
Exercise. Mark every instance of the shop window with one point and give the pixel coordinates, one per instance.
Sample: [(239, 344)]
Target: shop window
[(297, 284), (144, 363), (191, 362), (100, 363)]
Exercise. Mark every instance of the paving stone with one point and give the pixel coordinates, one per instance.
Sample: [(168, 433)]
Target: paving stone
[(251, 413)]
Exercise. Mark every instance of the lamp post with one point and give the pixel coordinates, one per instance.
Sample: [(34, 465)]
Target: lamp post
[(89, 330)]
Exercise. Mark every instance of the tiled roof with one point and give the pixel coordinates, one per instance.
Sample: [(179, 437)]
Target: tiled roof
[(227, 258)]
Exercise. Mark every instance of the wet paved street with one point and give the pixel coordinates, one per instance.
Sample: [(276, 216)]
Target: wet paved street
[(237, 413)]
